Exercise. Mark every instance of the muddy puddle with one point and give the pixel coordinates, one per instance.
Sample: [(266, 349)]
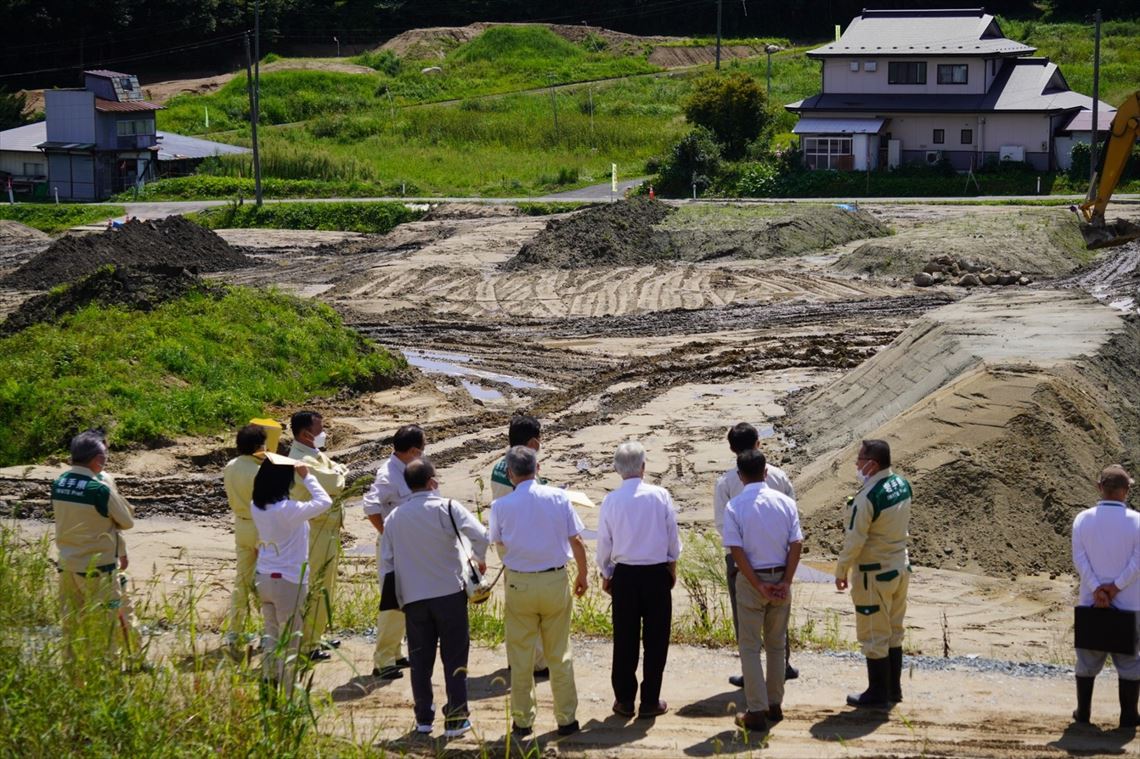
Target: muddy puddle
[(481, 384)]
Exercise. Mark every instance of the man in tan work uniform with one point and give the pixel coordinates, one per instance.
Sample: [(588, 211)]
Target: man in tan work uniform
[(874, 555), (238, 476), (89, 515), (324, 531)]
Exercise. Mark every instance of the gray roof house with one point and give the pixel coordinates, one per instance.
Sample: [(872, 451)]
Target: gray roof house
[(906, 86)]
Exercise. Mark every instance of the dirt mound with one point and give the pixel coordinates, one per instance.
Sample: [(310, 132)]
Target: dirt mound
[(1039, 242), (173, 241), (15, 233), (614, 234), (454, 211), (642, 231), (432, 42), (135, 288), (670, 56), (1001, 410)]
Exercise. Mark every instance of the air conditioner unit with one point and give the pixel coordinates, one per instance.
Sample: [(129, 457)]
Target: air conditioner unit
[(1011, 152), (933, 157)]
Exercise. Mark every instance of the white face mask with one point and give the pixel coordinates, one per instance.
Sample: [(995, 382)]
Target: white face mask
[(320, 440), (862, 477)]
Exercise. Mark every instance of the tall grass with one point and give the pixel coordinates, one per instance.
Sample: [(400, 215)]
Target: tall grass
[(376, 218), (184, 704), (57, 218), (192, 365)]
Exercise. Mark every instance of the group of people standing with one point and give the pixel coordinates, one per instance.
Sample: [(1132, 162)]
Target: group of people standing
[(287, 540)]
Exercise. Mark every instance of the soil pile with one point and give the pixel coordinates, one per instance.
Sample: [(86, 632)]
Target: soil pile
[(614, 234), (136, 288), (173, 241), (1038, 243), (1002, 429)]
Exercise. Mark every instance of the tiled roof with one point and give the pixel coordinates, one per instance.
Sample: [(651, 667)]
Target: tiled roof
[(1023, 85), (112, 106), (923, 32), (1082, 120), (105, 73), (28, 138)]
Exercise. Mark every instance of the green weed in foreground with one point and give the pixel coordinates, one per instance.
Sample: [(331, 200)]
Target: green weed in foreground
[(345, 217), (58, 218), (191, 366), (186, 705)]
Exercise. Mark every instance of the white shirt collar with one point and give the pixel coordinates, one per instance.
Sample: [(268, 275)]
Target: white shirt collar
[(395, 463), (630, 482), (306, 449), (754, 486), (1122, 504)]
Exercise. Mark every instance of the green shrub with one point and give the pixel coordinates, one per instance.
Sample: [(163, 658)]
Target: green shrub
[(195, 365), (58, 218), (345, 217), (695, 159), (732, 107), (384, 61)]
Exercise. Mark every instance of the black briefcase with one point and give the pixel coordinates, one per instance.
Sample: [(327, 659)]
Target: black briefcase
[(388, 600), (1107, 629)]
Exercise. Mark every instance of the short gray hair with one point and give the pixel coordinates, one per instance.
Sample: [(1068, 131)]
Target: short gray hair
[(629, 458), (87, 445), (522, 461)]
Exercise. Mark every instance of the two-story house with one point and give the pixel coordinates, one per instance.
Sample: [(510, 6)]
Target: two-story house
[(920, 86), (101, 139)]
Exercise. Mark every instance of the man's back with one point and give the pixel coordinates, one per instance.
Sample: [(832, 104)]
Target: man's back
[(238, 477), (764, 522), (1106, 549), (425, 549), (535, 523)]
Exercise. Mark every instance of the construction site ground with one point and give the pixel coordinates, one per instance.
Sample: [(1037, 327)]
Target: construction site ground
[(1001, 404)]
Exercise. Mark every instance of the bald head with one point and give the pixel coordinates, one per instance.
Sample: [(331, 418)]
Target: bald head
[(1114, 483), (419, 474)]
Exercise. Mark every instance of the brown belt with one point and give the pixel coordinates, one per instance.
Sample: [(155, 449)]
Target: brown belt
[(769, 570)]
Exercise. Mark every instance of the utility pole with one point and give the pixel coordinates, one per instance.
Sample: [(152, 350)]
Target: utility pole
[(251, 87), (256, 99), (718, 14), (1095, 110), (769, 49)]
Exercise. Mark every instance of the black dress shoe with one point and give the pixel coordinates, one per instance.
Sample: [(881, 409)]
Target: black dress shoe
[(387, 673), (330, 643), (403, 662), (542, 674), (569, 729), (319, 655), (520, 732), (737, 681), (790, 672), (775, 714), (648, 711)]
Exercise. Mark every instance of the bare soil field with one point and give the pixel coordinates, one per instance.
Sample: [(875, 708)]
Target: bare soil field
[(1000, 404)]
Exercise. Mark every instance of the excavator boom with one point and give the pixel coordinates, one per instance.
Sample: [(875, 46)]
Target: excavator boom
[(1097, 232)]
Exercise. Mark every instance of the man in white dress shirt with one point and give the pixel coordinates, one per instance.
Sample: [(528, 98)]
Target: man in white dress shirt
[(388, 491), (539, 531), (744, 437), (762, 530), (638, 546), (1106, 550)]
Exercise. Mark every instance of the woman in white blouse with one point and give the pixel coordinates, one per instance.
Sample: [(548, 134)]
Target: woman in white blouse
[(282, 560)]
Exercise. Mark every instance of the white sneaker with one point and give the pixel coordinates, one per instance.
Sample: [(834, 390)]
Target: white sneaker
[(423, 729), (457, 729)]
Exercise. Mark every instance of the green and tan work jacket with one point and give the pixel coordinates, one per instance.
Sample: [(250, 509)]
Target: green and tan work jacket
[(89, 515), (238, 477), (876, 522)]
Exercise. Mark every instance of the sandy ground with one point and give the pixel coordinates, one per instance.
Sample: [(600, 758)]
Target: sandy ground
[(673, 354)]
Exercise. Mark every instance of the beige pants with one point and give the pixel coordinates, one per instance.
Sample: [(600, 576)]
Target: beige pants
[(538, 606), (281, 606), (539, 654), (880, 608), (389, 636), (245, 546), (763, 627), (90, 608), (324, 558)]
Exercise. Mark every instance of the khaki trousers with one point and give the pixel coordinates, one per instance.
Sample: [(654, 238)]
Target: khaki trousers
[(763, 626), (880, 607), (245, 547), (390, 629), (324, 558), (281, 644), (90, 606), (538, 605)]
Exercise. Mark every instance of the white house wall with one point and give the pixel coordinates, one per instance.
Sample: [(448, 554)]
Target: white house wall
[(839, 78)]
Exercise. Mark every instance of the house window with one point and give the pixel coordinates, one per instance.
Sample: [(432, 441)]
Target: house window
[(906, 72), (939, 136), (967, 136), (34, 170), (854, 65), (828, 153), (125, 83), (870, 66), (132, 127), (953, 73)]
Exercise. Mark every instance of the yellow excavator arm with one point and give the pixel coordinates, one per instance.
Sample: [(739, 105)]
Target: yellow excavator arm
[(1123, 133)]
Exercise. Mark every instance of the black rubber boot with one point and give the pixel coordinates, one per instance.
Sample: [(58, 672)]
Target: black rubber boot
[(1129, 694), (894, 655), (878, 686), (1083, 711)]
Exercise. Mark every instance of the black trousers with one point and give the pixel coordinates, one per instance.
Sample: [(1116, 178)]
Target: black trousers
[(732, 571), (439, 622), (642, 611)]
